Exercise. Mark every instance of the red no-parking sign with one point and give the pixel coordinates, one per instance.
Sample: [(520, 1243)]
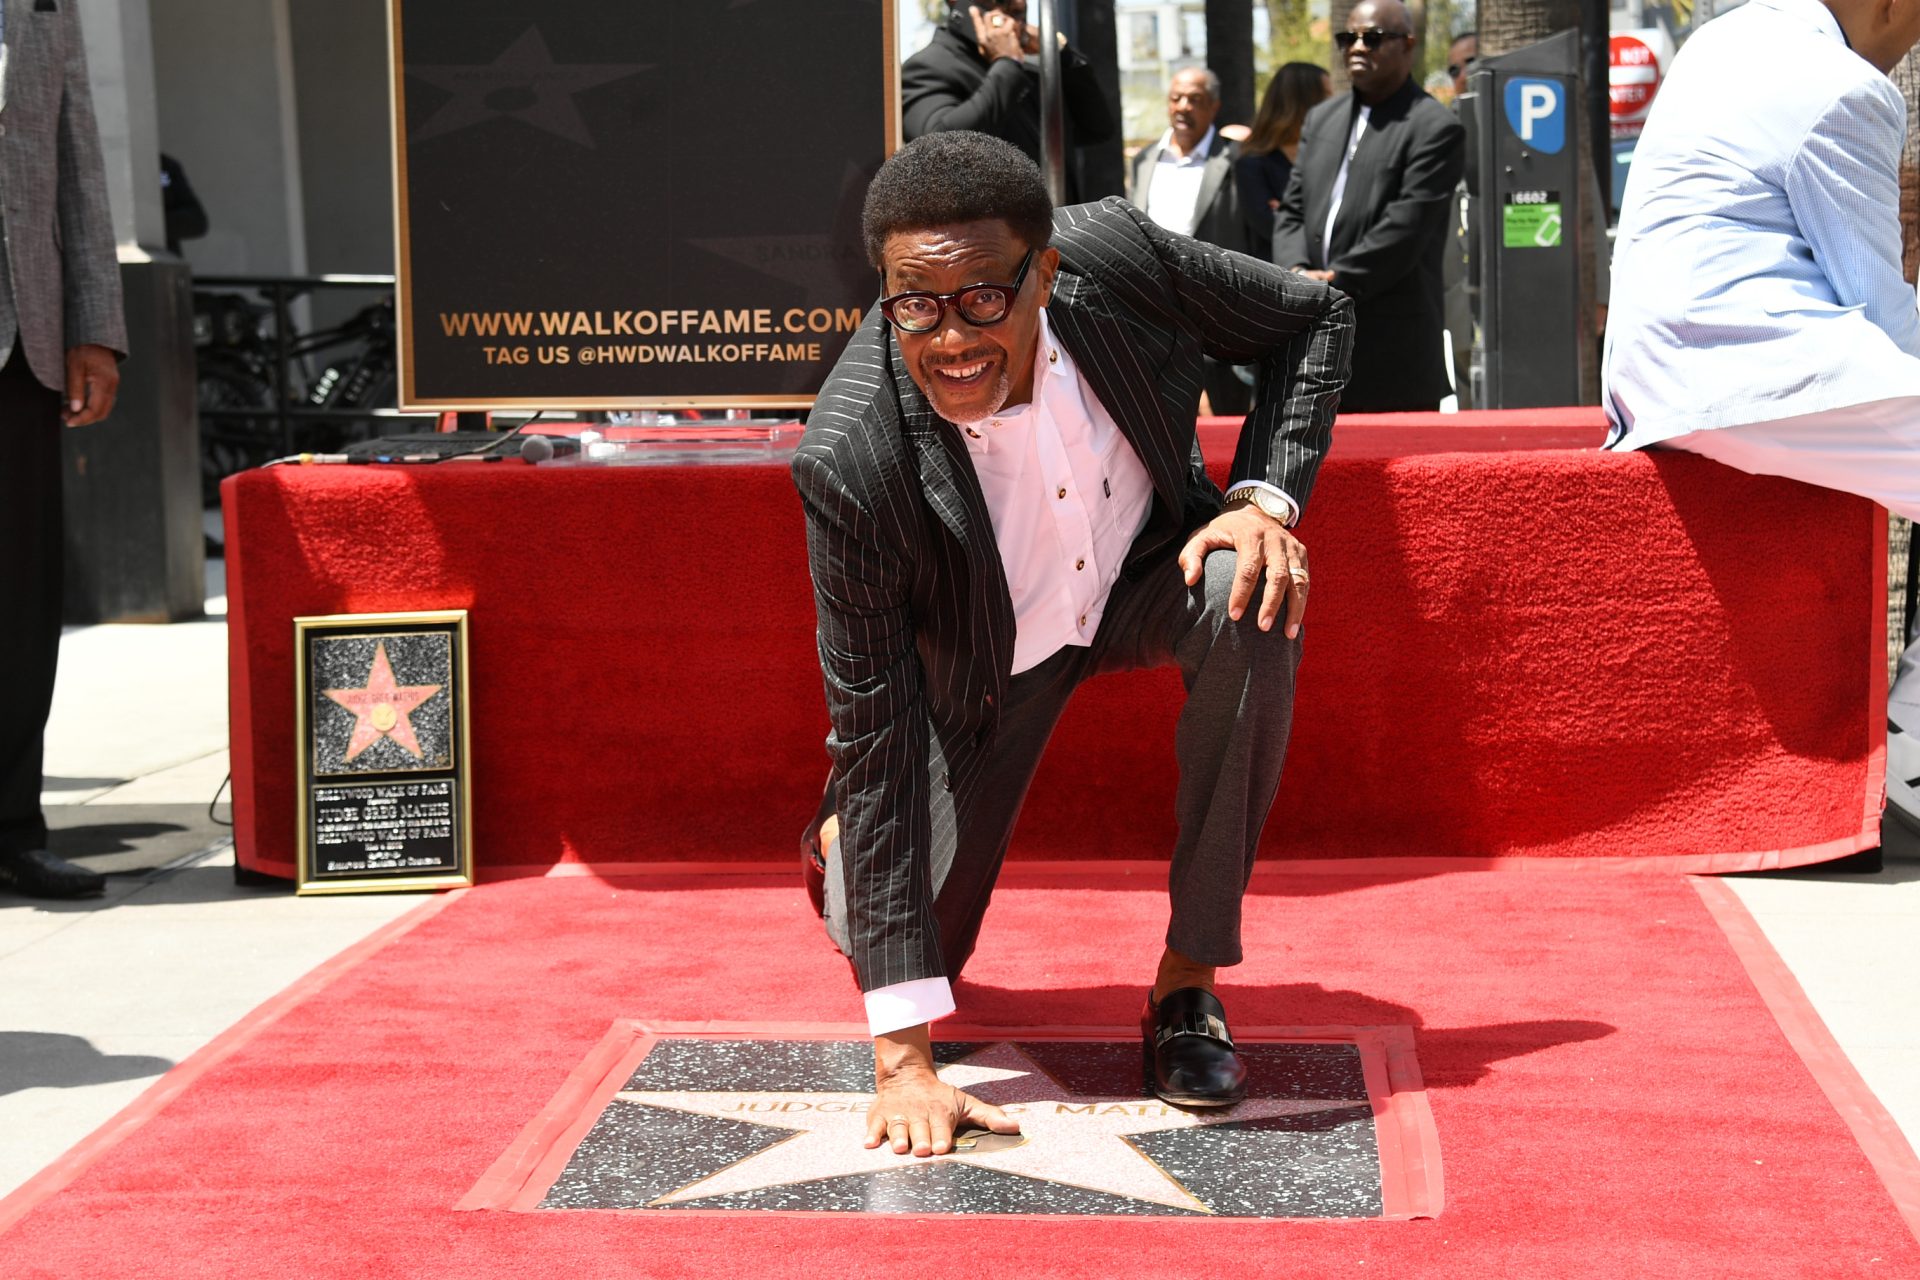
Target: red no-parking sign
[(1635, 62)]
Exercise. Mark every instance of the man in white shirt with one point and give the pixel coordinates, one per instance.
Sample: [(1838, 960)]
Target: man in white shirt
[(1185, 183), (1760, 315), (1002, 500)]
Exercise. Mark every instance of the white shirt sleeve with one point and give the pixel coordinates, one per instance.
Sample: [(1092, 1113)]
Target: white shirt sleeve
[(908, 1004), (1844, 188)]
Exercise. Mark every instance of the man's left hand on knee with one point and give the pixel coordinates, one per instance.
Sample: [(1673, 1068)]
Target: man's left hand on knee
[(1263, 549)]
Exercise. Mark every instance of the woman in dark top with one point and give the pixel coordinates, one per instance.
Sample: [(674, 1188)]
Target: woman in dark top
[(1266, 158)]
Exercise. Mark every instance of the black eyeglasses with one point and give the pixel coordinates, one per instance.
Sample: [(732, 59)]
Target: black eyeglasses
[(1372, 37), (980, 305)]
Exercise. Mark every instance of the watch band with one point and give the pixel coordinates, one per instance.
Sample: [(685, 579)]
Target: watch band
[(1264, 499)]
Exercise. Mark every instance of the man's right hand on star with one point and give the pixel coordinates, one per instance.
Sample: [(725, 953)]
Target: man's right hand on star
[(913, 1108)]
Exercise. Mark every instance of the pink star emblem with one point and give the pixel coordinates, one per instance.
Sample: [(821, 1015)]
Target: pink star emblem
[(381, 709)]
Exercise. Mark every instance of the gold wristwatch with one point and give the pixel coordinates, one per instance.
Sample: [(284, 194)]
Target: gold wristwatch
[(1265, 499)]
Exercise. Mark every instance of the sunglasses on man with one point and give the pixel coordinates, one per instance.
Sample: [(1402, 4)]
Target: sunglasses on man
[(980, 305), (1372, 38)]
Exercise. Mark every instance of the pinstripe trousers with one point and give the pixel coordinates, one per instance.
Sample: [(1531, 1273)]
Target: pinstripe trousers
[(1230, 744)]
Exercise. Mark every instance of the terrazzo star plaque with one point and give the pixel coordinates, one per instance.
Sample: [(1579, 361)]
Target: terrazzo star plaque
[(384, 801), (1334, 1126)]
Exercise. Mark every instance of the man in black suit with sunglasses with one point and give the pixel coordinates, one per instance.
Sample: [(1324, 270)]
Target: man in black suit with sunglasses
[(1003, 498), (1367, 210)]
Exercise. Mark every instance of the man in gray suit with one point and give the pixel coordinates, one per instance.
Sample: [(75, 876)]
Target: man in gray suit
[(1003, 498), (62, 326), (1185, 183)]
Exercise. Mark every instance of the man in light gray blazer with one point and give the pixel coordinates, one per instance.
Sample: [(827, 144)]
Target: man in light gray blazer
[(63, 330), (1004, 497)]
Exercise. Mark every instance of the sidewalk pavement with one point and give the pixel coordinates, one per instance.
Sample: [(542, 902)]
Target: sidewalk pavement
[(98, 999)]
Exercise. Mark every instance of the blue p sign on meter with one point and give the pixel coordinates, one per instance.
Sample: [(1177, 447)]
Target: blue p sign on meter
[(1537, 113)]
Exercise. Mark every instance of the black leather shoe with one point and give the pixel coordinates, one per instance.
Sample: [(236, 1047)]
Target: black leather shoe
[(813, 870), (36, 873), (1189, 1054)]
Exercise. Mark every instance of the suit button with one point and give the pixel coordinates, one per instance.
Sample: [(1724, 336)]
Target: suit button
[(1061, 493), (989, 699), (1079, 564)]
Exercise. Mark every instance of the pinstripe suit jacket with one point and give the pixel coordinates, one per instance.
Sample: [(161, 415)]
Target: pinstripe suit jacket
[(916, 627), (62, 275)]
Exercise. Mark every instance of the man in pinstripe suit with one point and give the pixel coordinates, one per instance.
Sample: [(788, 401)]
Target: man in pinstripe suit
[(1004, 496)]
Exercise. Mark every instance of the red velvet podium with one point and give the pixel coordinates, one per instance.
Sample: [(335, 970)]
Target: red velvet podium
[(1518, 647)]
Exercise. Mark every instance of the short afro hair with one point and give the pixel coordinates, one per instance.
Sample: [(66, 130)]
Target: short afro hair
[(947, 178)]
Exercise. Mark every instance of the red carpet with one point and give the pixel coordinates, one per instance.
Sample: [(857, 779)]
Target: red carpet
[(1610, 1094), (1517, 647)]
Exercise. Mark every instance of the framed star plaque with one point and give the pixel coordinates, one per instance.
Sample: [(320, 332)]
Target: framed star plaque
[(634, 203), (384, 799)]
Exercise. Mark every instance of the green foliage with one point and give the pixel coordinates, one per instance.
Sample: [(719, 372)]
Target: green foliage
[(1295, 37)]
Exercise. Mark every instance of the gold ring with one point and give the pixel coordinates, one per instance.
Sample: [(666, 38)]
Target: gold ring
[(1300, 574)]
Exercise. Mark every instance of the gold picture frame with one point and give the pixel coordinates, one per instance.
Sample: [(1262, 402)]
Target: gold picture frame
[(382, 752)]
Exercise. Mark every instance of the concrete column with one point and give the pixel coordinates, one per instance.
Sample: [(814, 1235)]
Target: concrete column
[(135, 549), (224, 74), (119, 36)]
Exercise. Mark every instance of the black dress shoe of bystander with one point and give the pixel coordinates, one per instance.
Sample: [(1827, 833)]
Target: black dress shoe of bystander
[(1188, 1050), (35, 873)]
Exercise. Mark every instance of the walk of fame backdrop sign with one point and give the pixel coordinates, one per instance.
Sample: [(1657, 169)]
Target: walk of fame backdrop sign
[(1335, 1125), (382, 743), (605, 203)]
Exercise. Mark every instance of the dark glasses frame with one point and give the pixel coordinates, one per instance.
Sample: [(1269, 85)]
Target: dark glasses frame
[(1372, 37), (957, 300)]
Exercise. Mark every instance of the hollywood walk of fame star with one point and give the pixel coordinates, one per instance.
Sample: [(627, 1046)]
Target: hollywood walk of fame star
[(382, 709), (525, 84), (1071, 1139)]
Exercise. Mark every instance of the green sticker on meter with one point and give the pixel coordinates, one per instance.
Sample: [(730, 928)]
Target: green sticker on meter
[(1532, 226)]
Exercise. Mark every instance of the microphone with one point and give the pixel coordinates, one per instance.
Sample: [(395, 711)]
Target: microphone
[(535, 448)]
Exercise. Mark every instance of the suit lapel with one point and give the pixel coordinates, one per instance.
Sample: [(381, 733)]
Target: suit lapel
[(1217, 168), (1356, 202), (1329, 148), (1108, 356), (1143, 173)]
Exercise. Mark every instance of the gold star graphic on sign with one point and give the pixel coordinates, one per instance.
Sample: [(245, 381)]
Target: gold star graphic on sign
[(382, 709), (1074, 1140)]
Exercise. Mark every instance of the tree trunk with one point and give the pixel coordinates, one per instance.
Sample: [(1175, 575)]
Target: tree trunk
[(1230, 56), (1907, 77), (1506, 25)]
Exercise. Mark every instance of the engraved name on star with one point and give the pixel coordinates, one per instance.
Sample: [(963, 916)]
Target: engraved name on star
[(1071, 1139), (382, 709)]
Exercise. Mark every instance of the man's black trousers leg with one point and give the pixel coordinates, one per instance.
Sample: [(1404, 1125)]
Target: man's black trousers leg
[(30, 572), (1230, 745), (1231, 741)]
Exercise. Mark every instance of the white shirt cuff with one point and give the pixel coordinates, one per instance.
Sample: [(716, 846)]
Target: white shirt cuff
[(1293, 508), (908, 1004)]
